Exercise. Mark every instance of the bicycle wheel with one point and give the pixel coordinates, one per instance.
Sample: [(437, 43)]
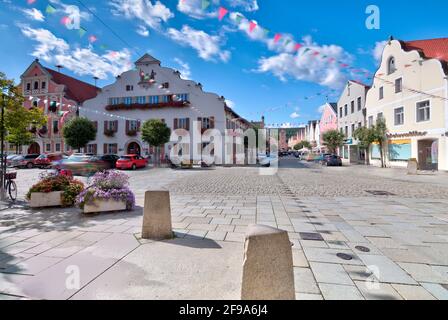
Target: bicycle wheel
[(12, 190)]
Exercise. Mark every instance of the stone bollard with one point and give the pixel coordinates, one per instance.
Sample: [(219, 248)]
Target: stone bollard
[(268, 268), (412, 166), (157, 216)]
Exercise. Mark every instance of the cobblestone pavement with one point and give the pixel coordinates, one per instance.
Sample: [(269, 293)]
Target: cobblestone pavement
[(396, 246)]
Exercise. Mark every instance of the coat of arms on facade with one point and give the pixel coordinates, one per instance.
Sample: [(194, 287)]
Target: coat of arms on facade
[(147, 78)]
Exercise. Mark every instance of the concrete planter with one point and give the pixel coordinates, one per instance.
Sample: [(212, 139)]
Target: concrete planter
[(99, 205), (50, 199)]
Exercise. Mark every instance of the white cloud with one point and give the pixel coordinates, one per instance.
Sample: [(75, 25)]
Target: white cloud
[(207, 46), (34, 14), (67, 9), (246, 5), (230, 104), (150, 14), (294, 115), (82, 61), (377, 52), (184, 70), (193, 8), (143, 31), (308, 67)]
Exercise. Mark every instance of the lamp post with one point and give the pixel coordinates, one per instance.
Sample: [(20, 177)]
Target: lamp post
[(2, 141)]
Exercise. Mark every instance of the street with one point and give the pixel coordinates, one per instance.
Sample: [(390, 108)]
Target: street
[(357, 232)]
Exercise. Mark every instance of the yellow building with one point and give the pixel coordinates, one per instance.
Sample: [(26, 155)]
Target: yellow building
[(410, 90)]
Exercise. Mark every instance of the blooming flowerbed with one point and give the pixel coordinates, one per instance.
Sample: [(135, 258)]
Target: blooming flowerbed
[(108, 185), (69, 187)]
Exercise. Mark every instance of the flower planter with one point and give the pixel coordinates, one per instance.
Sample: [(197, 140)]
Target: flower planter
[(50, 199), (100, 205)]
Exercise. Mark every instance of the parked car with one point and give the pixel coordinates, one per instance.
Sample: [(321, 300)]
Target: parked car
[(81, 164), (268, 161), (46, 160), (333, 160), (111, 159), (321, 158), (131, 161), (24, 161)]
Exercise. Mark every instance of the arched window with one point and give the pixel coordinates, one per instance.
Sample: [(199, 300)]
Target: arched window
[(391, 65), (36, 85)]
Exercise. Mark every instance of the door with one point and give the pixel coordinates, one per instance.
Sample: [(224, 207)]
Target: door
[(428, 154), (34, 148), (134, 148)]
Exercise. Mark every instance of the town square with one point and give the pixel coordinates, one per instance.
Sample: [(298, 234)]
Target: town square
[(189, 150)]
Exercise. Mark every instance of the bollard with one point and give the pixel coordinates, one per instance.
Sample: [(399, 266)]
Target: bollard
[(412, 166), (157, 216), (268, 268)]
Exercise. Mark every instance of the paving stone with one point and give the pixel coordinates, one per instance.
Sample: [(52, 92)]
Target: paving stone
[(377, 291), (299, 259), (340, 292), (330, 274), (389, 271), (304, 281), (437, 290), (216, 235), (413, 292), (424, 273), (308, 296), (330, 256)]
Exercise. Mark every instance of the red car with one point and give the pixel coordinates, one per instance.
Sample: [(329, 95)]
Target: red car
[(131, 161), (45, 160)]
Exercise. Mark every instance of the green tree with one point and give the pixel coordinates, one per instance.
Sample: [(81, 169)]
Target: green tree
[(78, 132), (366, 136), (18, 119), (156, 133), (333, 139), (302, 144), (380, 136)]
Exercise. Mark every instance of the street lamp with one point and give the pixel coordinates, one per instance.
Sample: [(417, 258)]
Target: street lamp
[(5, 94)]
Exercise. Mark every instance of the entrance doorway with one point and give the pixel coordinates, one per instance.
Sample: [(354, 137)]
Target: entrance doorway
[(428, 154), (134, 148), (34, 148)]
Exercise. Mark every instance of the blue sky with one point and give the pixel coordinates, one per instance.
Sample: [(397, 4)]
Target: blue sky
[(258, 76)]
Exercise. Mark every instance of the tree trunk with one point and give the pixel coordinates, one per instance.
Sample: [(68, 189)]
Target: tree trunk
[(382, 155), (367, 156)]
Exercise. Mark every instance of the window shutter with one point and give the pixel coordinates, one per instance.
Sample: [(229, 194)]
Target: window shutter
[(115, 148), (200, 123), (212, 122), (127, 126), (95, 151), (176, 123), (105, 149), (105, 126), (188, 124), (139, 124), (116, 125), (95, 124)]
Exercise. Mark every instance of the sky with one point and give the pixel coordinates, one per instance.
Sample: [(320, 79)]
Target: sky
[(281, 59)]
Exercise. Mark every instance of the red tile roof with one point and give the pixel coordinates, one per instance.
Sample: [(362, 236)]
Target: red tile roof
[(75, 89), (432, 48), (360, 83)]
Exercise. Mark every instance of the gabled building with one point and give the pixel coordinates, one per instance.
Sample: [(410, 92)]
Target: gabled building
[(57, 95), (351, 116), (151, 91), (329, 119), (410, 91)]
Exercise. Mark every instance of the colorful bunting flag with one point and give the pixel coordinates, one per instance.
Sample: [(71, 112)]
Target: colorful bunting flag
[(306, 50), (205, 4), (31, 1), (65, 20), (252, 26), (222, 13), (277, 37), (238, 18), (50, 9), (82, 32), (266, 32), (297, 46), (287, 41), (92, 39)]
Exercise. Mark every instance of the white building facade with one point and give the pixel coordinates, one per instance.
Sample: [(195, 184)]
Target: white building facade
[(351, 116), (153, 92)]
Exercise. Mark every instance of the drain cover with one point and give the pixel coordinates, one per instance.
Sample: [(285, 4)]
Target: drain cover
[(345, 256), (362, 249), (380, 193), (311, 236)]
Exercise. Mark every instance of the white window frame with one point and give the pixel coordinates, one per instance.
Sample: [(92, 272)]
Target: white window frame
[(133, 125), (395, 117), (416, 111), (401, 85)]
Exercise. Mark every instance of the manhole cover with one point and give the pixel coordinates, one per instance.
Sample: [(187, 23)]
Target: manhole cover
[(311, 236), (380, 193), (344, 256), (362, 249)]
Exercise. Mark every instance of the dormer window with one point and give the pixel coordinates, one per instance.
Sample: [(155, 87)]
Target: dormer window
[(129, 88), (44, 85), (391, 65), (28, 86)]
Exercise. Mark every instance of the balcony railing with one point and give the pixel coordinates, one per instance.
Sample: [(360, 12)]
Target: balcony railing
[(146, 106)]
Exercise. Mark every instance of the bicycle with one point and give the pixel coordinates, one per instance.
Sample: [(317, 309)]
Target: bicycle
[(10, 185)]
